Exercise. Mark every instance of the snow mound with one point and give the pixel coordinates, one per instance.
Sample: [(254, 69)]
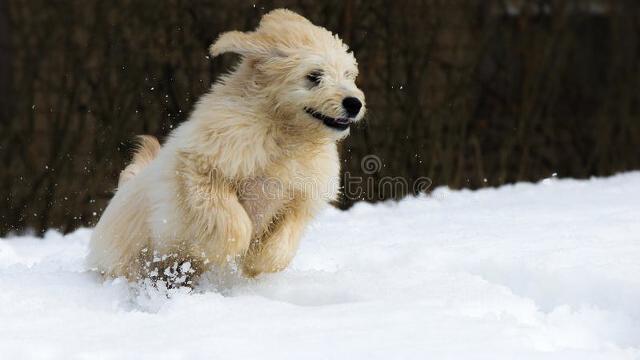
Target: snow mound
[(526, 271)]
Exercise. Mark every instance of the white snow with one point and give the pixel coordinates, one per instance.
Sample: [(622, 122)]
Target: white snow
[(528, 271)]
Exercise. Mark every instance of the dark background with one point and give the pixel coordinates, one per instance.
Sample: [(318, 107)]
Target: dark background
[(469, 93)]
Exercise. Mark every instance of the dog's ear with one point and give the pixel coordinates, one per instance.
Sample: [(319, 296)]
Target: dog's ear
[(244, 43)]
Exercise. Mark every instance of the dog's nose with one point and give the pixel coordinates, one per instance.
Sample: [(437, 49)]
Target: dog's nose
[(352, 106)]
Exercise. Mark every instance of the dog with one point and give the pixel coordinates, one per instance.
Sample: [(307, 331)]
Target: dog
[(235, 185)]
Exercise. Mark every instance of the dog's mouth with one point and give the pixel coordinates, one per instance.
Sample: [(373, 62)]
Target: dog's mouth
[(334, 123)]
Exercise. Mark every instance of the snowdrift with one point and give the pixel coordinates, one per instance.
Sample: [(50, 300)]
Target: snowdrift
[(527, 271)]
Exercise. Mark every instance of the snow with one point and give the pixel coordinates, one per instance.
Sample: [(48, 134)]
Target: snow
[(526, 271)]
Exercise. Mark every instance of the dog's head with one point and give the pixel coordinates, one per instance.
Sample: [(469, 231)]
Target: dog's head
[(303, 70)]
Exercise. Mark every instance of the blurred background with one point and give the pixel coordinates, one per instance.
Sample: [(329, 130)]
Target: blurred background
[(468, 93)]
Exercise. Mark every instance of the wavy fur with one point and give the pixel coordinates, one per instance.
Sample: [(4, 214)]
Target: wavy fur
[(238, 182)]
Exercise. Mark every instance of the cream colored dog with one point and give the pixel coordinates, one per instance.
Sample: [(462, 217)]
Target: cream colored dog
[(237, 183)]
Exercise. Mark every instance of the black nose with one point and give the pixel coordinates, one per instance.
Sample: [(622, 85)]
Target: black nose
[(352, 106)]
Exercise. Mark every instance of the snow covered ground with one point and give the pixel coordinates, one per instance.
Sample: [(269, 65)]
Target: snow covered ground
[(531, 271)]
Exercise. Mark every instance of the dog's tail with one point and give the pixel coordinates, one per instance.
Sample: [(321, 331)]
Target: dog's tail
[(147, 149)]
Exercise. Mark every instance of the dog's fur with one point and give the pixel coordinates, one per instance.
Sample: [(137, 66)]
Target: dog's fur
[(238, 182)]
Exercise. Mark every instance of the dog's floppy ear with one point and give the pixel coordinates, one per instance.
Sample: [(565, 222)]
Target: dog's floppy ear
[(245, 44)]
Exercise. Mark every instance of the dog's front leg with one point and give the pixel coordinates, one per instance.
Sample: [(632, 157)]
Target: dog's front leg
[(274, 250), (220, 227)]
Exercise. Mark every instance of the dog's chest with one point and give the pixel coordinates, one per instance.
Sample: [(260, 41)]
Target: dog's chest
[(314, 178), (263, 198)]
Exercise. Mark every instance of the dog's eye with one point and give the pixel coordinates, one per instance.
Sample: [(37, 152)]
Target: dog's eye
[(315, 77)]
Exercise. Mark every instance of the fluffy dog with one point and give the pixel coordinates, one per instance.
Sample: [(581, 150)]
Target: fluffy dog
[(236, 184)]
